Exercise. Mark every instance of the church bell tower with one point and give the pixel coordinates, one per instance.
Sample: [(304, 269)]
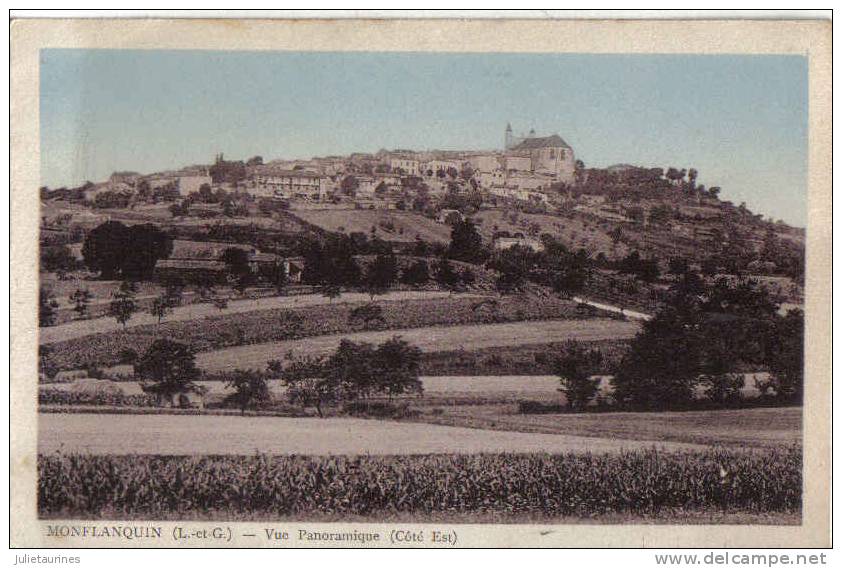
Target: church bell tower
[(508, 141)]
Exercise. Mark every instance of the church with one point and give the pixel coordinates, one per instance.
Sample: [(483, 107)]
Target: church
[(549, 155)]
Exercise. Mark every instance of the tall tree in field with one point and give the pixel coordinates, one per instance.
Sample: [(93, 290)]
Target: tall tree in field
[(331, 292), (466, 243), (81, 299), (123, 306), (167, 368), (250, 389), (160, 307), (396, 366), (381, 274), (575, 368)]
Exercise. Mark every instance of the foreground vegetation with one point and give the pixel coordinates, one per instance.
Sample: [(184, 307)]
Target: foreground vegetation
[(538, 486)]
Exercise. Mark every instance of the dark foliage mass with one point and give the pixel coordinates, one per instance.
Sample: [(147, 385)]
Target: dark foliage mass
[(701, 337), (505, 485), (113, 250)]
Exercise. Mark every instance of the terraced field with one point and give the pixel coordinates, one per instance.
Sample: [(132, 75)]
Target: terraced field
[(189, 312), (433, 338), (391, 225)]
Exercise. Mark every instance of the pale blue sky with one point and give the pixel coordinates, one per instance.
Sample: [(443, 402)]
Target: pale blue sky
[(740, 120)]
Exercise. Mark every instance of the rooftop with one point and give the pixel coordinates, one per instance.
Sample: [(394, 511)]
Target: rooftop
[(554, 141)]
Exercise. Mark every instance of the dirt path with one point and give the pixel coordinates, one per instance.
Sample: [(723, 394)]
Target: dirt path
[(76, 329), (614, 309), (201, 435), (468, 337)]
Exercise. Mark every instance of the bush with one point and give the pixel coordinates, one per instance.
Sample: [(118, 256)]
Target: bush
[(377, 409)]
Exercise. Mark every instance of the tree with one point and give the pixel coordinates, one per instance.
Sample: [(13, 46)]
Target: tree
[(145, 245), (445, 276), (397, 365), (57, 259), (47, 307), (381, 274), (579, 172), (220, 303), (575, 368), (250, 389), (467, 277), (160, 307), (167, 368), (114, 249), (466, 243), (416, 274), (81, 299), (306, 381), (785, 355), (331, 291), (568, 272), (104, 248), (514, 265), (661, 367), (123, 306), (255, 161), (366, 315), (236, 260)]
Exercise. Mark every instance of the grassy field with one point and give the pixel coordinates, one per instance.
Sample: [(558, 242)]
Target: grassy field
[(429, 339), (246, 435), (751, 427), (391, 225), (708, 483)]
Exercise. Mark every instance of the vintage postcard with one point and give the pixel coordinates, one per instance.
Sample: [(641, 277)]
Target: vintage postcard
[(420, 283)]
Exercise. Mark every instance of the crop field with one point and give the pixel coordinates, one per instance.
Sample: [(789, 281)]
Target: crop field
[(247, 435), (429, 339), (82, 328), (748, 427), (391, 225), (279, 324), (461, 487)]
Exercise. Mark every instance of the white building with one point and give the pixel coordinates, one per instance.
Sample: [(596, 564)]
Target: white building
[(290, 184), (408, 166)]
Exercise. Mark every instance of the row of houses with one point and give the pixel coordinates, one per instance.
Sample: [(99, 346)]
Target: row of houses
[(195, 261)]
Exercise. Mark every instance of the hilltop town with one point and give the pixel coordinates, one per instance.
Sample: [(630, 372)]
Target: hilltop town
[(531, 187)]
